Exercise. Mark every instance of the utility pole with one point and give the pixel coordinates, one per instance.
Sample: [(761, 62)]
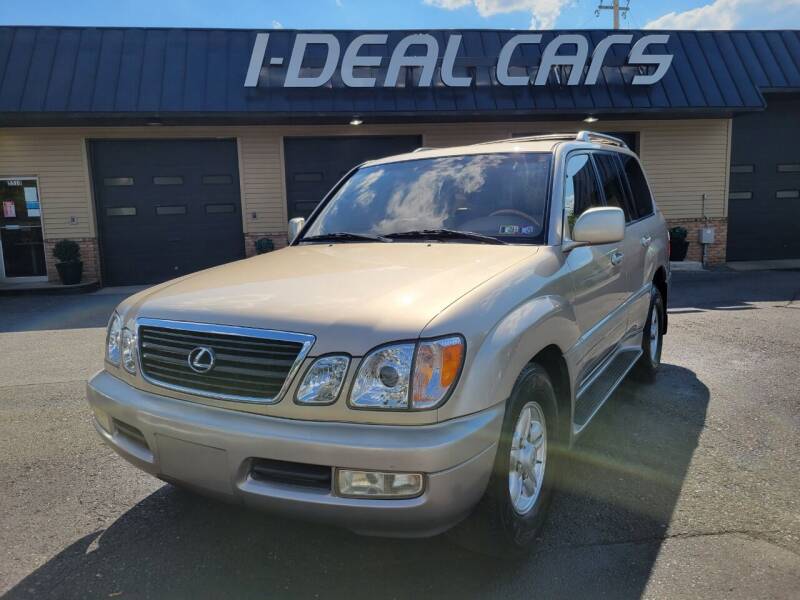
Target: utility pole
[(616, 8)]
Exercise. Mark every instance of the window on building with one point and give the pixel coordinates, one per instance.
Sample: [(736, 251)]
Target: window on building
[(612, 184), (117, 181), (740, 195), (742, 168), (168, 180), (787, 194), (640, 192), (580, 188), (121, 211), (170, 210), (789, 168)]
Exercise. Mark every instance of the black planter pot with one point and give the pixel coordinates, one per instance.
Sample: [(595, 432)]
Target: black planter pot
[(678, 249), (70, 272)]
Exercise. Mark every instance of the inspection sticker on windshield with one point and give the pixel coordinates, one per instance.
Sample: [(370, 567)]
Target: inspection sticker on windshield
[(509, 229)]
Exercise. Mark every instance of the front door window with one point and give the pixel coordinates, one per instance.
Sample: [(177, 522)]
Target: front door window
[(21, 229)]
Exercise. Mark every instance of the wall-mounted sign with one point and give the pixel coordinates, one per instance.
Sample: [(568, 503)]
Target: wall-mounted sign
[(360, 68)]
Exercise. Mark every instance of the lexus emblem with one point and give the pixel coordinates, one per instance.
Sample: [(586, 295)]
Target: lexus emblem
[(201, 359)]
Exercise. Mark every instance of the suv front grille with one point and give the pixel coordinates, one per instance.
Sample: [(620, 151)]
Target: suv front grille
[(250, 365)]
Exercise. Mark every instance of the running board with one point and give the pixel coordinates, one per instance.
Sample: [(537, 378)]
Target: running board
[(601, 384)]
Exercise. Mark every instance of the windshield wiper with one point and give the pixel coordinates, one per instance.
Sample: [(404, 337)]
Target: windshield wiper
[(345, 236), (445, 234)]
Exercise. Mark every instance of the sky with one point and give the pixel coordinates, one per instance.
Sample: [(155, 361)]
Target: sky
[(403, 14)]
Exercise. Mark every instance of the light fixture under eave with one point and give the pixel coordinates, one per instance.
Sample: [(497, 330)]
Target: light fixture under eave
[(356, 121), (591, 119)]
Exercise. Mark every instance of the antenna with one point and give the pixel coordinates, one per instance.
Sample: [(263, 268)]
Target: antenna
[(616, 8)]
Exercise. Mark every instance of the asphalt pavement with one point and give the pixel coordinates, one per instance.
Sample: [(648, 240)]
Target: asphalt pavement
[(683, 489)]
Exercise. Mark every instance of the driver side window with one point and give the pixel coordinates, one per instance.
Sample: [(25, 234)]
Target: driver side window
[(581, 191)]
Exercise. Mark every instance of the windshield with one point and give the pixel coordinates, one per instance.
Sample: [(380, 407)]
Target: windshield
[(499, 195)]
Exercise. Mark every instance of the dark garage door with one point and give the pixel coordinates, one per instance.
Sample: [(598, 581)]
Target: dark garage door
[(764, 199), (166, 208), (314, 165)]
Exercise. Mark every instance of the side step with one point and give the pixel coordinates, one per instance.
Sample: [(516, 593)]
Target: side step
[(601, 384)]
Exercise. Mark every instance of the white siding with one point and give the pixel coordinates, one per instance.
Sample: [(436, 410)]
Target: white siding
[(684, 159)]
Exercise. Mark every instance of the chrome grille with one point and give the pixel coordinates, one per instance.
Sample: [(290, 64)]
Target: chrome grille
[(250, 365)]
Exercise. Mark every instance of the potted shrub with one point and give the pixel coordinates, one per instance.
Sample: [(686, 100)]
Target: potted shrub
[(264, 245), (678, 244), (69, 265)]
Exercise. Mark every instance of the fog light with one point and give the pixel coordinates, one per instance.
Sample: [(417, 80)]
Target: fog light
[(373, 484)]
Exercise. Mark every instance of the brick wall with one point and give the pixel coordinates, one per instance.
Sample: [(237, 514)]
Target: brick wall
[(89, 256), (279, 239), (715, 254)]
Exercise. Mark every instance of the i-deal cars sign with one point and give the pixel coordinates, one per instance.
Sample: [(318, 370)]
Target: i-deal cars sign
[(357, 69)]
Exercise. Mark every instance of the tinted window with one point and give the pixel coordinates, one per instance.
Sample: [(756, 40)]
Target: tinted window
[(117, 181), (170, 210), (611, 183), (168, 180), (642, 200), (121, 211), (500, 195), (580, 188)]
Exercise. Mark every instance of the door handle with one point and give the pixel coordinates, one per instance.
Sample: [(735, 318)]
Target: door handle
[(616, 258), (646, 240)]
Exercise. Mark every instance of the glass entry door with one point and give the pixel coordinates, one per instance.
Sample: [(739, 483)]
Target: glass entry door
[(21, 229)]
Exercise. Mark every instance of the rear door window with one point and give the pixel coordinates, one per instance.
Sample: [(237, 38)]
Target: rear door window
[(641, 198), (612, 184)]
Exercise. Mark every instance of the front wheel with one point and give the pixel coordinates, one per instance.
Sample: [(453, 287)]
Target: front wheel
[(647, 367), (515, 504)]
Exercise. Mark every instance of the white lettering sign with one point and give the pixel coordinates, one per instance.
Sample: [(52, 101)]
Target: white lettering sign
[(360, 69)]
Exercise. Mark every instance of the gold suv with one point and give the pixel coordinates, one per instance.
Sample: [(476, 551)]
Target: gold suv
[(443, 322)]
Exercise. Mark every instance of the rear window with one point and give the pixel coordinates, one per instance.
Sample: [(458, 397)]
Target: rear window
[(642, 200)]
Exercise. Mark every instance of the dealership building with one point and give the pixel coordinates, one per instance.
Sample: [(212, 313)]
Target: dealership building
[(164, 151)]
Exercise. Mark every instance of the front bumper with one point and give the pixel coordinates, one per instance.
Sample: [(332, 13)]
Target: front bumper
[(212, 450)]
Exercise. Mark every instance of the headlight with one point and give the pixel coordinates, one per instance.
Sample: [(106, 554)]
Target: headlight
[(113, 339), (323, 380), (395, 377), (383, 378), (436, 369), (129, 351)]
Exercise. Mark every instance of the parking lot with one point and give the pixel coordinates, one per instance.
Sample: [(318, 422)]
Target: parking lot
[(688, 488)]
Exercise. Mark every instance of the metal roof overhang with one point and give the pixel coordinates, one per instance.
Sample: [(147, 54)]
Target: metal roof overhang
[(118, 119), (133, 76)]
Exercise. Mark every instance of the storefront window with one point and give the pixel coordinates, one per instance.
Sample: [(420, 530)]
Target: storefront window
[(21, 229)]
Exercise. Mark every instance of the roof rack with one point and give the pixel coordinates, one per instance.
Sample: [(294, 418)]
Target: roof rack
[(581, 136), (591, 136)]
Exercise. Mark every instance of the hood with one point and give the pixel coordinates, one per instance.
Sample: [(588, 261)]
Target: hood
[(351, 296)]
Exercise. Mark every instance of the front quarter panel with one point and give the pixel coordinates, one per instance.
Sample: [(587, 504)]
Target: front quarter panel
[(506, 322)]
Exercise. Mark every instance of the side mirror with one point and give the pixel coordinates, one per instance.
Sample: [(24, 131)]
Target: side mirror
[(295, 225), (602, 225)]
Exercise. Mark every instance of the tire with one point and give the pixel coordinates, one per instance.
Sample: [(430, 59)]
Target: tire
[(497, 526), (647, 367)]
